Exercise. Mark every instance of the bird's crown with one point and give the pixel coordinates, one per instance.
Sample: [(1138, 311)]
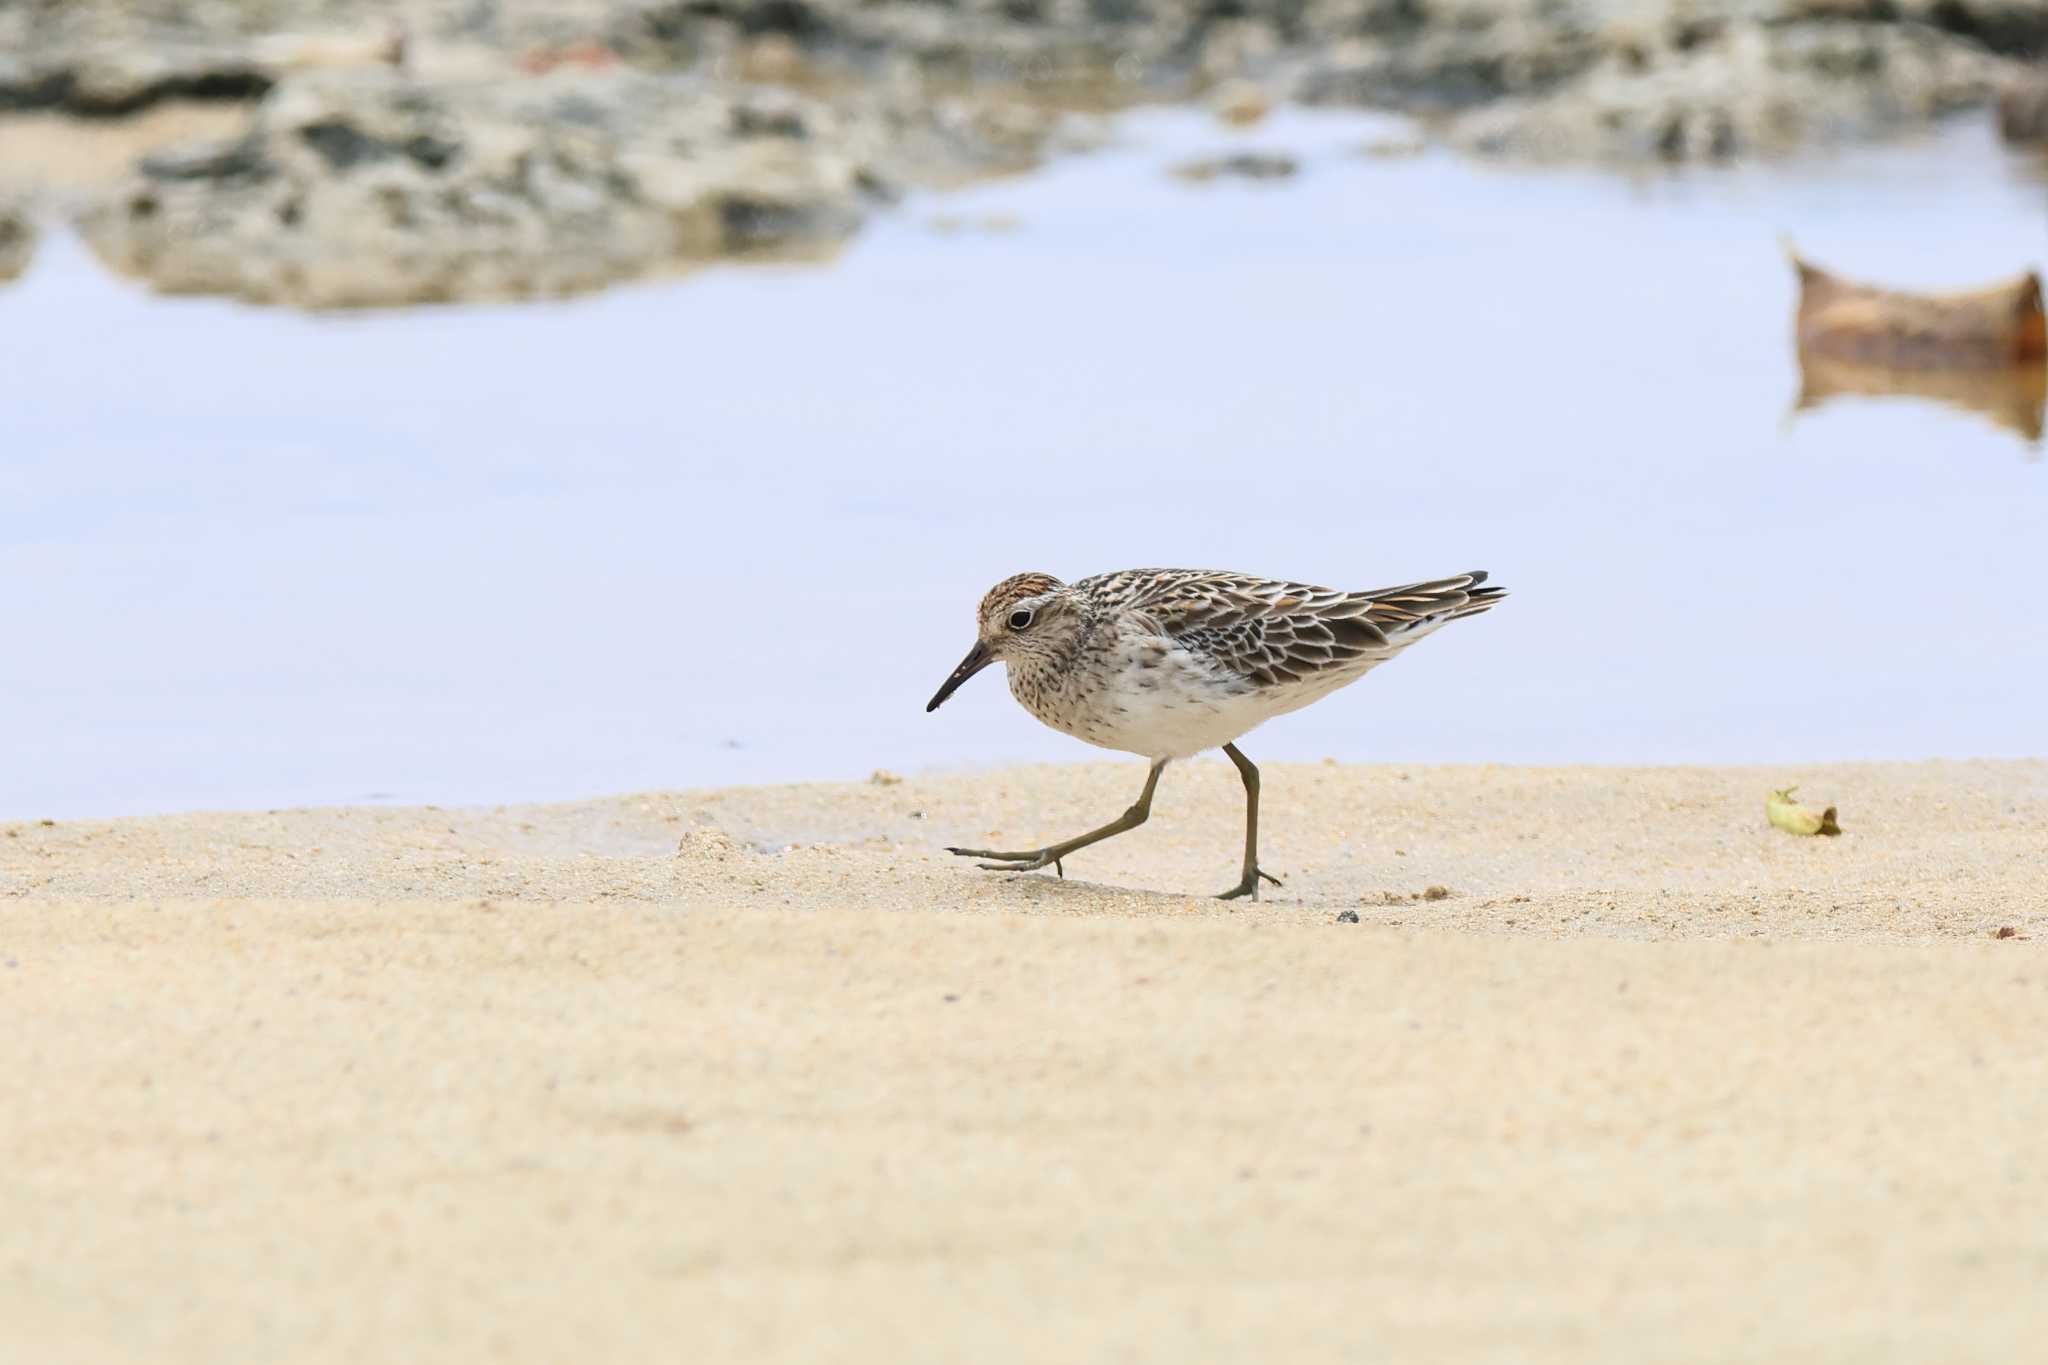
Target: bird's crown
[(1014, 589)]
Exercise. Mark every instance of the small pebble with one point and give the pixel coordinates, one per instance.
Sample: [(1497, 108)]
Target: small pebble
[(1348, 917), (1436, 893)]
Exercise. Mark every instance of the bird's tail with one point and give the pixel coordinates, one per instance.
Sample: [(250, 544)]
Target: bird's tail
[(1418, 608)]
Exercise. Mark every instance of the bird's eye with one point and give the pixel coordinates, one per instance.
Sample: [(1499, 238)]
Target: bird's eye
[(1020, 618)]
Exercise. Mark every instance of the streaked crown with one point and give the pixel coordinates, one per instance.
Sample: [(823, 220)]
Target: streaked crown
[(1012, 590)]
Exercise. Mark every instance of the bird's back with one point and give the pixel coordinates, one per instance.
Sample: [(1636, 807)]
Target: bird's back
[(1182, 660)]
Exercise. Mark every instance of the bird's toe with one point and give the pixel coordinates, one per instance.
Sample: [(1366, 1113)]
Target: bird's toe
[(996, 853), (1023, 862), (1249, 886)]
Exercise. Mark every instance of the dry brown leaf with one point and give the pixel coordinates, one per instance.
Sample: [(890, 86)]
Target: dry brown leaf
[(1995, 327)]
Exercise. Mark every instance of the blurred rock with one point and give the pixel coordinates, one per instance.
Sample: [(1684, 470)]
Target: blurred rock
[(775, 59), (950, 224), (1237, 166), (1559, 80), (367, 188), (2015, 28), (111, 81), (588, 140), (2023, 107), (588, 56), (1449, 68), (1737, 90), (384, 44), (1240, 103), (1392, 148), (1234, 50), (103, 78), (17, 241)]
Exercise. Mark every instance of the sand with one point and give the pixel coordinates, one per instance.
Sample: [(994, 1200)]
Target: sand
[(1650, 1081)]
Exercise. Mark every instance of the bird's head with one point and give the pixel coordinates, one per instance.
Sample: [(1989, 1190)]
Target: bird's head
[(1025, 617)]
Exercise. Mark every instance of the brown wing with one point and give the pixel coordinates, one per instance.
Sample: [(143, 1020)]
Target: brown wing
[(1274, 633)]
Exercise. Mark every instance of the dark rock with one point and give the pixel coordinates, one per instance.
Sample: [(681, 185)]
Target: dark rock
[(17, 242), (115, 81), (2015, 28), (205, 161), (340, 145), (1238, 166), (26, 86), (2023, 107), (1451, 70)]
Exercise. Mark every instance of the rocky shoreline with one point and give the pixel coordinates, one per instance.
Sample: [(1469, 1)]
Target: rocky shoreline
[(440, 149), (368, 189)]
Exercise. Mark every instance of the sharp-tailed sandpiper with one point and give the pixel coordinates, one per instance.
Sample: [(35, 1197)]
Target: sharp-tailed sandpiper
[(1169, 662)]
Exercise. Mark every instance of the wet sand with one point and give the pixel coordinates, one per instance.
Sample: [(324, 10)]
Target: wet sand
[(1649, 1081)]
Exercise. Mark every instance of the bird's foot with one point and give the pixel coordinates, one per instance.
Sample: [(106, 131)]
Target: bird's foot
[(1013, 862), (1249, 886)]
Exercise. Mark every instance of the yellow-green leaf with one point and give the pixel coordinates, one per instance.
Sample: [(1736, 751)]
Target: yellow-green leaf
[(1794, 818)]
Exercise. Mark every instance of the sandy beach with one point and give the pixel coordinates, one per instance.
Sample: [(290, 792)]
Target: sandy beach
[(763, 1074)]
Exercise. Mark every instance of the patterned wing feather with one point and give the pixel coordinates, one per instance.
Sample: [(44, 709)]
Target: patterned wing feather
[(1275, 633)]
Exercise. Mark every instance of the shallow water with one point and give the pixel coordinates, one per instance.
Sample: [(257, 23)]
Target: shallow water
[(731, 528)]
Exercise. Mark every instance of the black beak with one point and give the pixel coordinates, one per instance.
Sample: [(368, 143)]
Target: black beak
[(977, 659)]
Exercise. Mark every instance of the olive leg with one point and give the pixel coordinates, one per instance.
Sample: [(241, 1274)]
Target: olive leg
[(1052, 854)]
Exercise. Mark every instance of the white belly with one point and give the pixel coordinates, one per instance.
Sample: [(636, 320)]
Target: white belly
[(1172, 707)]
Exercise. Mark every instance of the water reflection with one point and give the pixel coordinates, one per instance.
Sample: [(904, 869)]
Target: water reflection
[(2012, 396)]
